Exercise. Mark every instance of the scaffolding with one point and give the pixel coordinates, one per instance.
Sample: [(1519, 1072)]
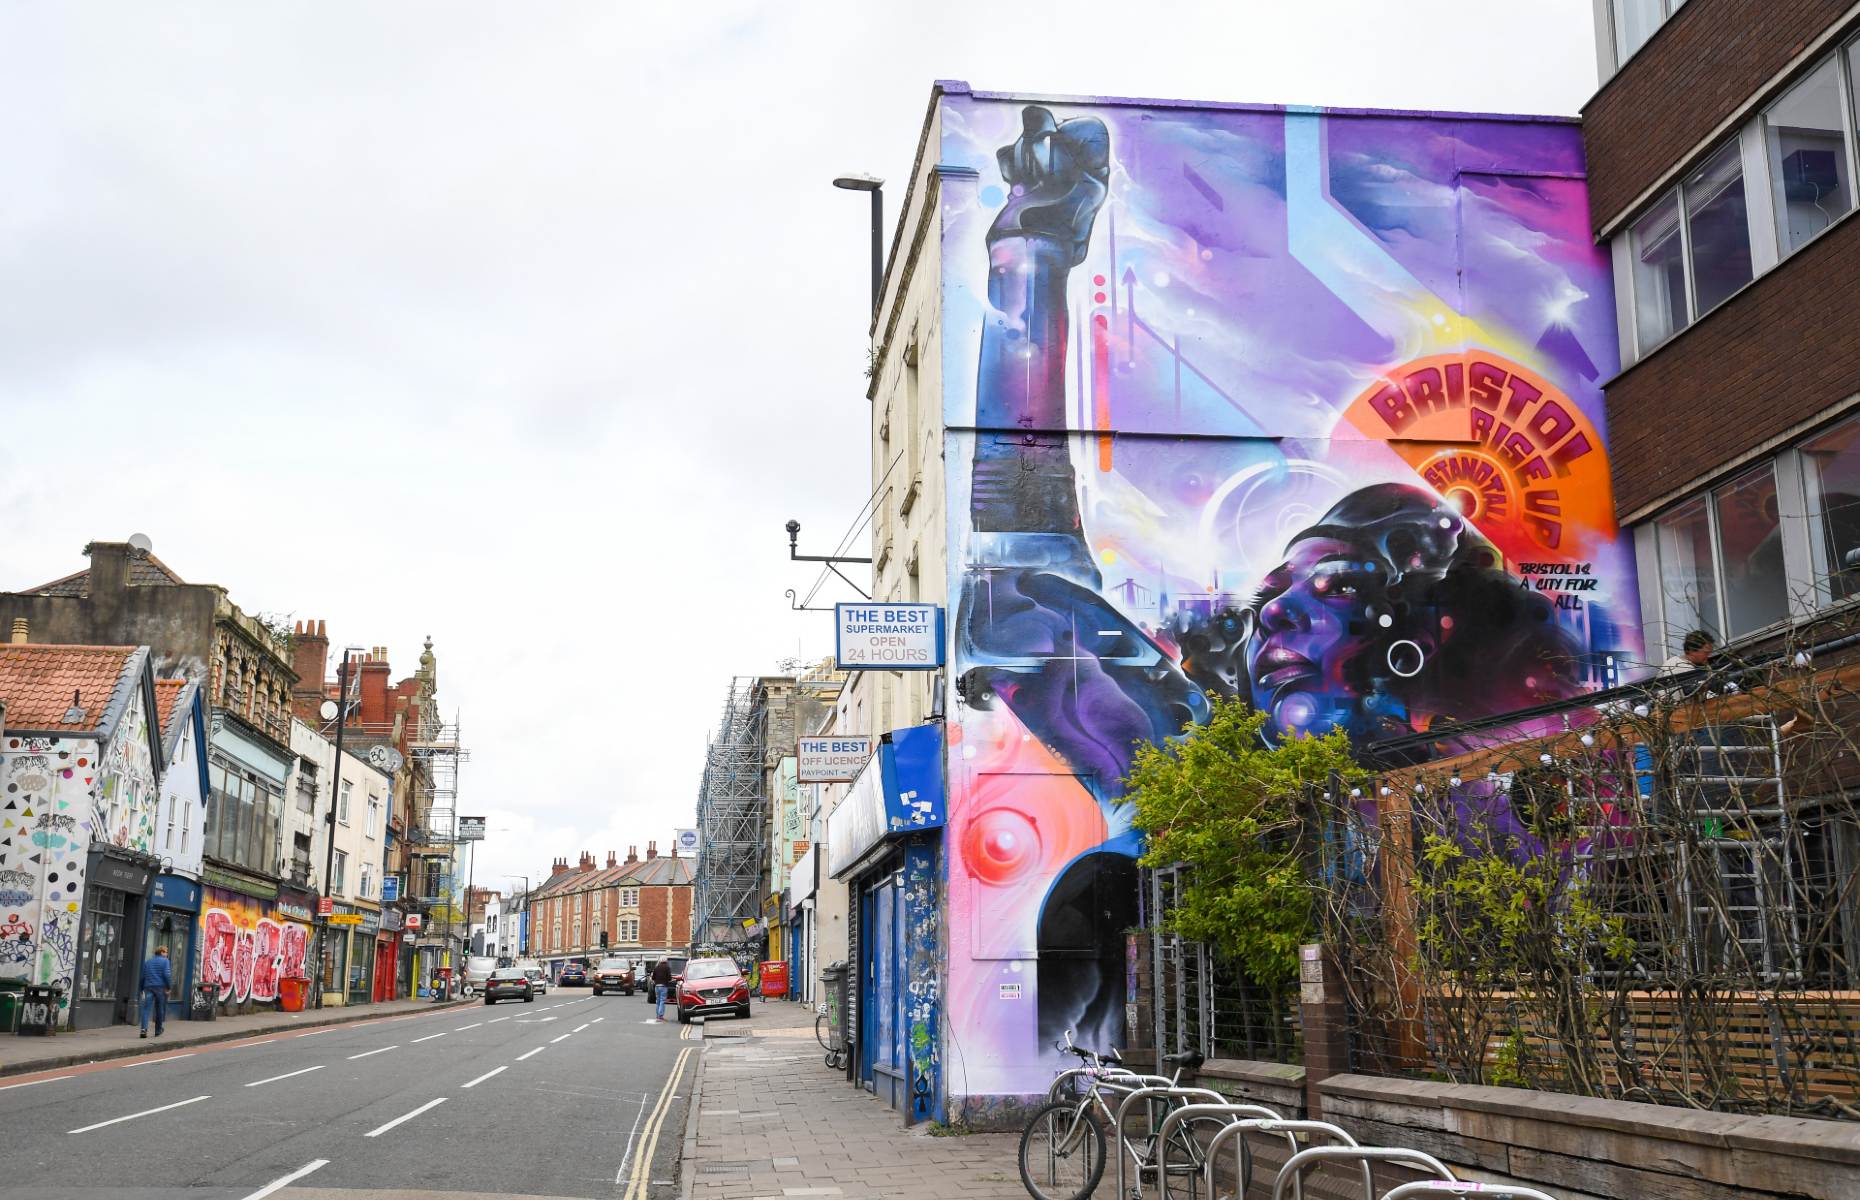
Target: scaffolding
[(730, 821)]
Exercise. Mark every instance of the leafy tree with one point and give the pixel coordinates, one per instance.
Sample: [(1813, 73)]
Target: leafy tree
[(1224, 801)]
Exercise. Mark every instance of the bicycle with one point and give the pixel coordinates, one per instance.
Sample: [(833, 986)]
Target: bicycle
[(1062, 1147)]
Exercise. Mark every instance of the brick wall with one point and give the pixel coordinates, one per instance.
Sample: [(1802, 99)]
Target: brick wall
[(1776, 355), (1710, 58)]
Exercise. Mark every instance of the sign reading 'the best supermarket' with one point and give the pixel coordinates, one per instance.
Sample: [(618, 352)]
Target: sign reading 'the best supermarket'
[(889, 637)]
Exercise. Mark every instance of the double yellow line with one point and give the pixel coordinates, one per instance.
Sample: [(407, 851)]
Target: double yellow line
[(642, 1165)]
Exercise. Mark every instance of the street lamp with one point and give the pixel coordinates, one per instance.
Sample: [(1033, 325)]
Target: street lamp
[(876, 186), (337, 711)]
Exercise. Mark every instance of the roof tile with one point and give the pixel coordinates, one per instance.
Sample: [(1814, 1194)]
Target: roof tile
[(38, 684)]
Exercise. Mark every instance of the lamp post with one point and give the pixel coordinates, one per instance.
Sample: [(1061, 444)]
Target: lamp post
[(875, 186), (338, 711)]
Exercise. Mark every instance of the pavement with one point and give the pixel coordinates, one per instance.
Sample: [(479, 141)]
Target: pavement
[(571, 1097), (65, 1049), (770, 1120)]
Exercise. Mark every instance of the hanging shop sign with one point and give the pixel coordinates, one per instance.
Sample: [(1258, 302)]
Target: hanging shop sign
[(471, 829), (888, 637), (831, 759), (685, 841)]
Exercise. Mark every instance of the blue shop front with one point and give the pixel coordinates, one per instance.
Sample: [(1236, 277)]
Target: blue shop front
[(174, 914), (885, 842)]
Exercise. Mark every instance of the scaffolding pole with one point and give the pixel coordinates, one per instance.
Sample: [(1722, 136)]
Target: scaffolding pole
[(730, 821)]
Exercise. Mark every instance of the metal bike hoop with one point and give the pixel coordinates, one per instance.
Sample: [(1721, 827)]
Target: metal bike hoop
[(1294, 1167), (1436, 1187), (1291, 1130), (1188, 1112), (1183, 1093), (1121, 1075)]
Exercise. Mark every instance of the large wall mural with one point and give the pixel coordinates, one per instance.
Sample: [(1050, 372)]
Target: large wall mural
[(1296, 407), (47, 791), (247, 946)]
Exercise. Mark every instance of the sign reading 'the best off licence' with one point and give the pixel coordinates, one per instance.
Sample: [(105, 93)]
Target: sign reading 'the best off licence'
[(890, 637)]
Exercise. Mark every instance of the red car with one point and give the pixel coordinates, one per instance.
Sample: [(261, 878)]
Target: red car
[(712, 985)]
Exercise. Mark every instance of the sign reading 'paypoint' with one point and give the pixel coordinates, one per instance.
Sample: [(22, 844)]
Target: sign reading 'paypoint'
[(889, 637), (831, 759)]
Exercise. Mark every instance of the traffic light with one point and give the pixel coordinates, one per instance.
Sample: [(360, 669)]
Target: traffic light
[(603, 939)]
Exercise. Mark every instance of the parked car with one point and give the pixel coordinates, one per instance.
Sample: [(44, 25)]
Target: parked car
[(574, 973), (645, 973), (539, 979), (712, 985), (506, 983), (614, 975)]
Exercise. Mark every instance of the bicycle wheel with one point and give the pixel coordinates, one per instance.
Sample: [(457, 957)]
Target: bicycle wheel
[(1061, 1153), (1188, 1144), (823, 1031)]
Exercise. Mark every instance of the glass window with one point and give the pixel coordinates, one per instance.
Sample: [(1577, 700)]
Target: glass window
[(100, 970), (374, 815), (1831, 469), (1688, 583), (1756, 586), (1808, 156), (342, 804), (1635, 21), (1659, 274), (1719, 228), (338, 872)]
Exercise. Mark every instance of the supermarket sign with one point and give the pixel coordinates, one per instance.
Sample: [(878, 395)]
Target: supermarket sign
[(831, 759), (888, 637)]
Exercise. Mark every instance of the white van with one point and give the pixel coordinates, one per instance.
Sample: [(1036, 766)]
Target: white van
[(478, 968)]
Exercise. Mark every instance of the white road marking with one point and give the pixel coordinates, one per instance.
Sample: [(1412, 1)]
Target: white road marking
[(463, 1028), (640, 1116), (580, 1027), (275, 1078), (293, 1177), (532, 1053), (366, 1053), (147, 1112), (406, 1117), (429, 1037), (170, 1058), (495, 1020), (54, 1079), (554, 1040), (312, 1033), (487, 1075), (597, 1020)]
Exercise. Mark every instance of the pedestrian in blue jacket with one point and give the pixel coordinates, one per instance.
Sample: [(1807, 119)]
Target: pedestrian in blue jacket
[(157, 980)]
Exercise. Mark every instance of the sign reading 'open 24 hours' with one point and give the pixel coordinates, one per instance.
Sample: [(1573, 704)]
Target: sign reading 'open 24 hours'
[(889, 637)]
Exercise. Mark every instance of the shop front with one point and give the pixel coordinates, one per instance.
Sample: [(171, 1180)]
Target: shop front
[(387, 956), (361, 956), (885, 842), (174, 912), (110, 936), (248, 943)]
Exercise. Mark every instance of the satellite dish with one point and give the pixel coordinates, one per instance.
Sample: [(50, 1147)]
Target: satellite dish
[(140, 541), (385, 759), (328, 709)]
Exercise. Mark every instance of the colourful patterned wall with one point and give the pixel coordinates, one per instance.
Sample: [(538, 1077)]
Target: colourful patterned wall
[(247, 946), (46, 790), (1297, 407)]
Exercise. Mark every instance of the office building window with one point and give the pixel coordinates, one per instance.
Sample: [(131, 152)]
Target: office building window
[(1636, 21), (1807, 132), (339, 872), (1831, 476), (1717, 229), (1721, 561)]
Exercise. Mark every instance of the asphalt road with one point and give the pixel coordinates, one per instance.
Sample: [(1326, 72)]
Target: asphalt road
[(572, 1095)]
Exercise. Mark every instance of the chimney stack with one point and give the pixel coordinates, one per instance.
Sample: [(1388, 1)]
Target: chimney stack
[(632, 855), (310, 659), (587, 861), (109, 567), (612, 861), (557, 866), (19, 637), (652, 851)]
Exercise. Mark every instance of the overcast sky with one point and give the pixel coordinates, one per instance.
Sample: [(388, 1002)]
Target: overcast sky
[(526, 325)]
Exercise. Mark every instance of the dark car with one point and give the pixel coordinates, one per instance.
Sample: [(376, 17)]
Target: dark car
[(574, 973), (614, 975), (712, 985), (678, 972), (508, 983)]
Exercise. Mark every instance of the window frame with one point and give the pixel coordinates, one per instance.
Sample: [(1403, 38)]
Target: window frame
[(1840, 58)]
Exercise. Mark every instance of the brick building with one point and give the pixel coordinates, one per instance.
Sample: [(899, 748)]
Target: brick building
[(1721, 155), (642, 905)]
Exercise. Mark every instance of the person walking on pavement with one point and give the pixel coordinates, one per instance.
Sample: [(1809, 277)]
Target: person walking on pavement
[(157, 981), (661, 987)]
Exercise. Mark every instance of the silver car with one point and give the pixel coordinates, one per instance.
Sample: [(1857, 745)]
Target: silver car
[(539, 980)]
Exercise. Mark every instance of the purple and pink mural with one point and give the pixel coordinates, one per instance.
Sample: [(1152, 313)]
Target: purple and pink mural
[(1295, 406)]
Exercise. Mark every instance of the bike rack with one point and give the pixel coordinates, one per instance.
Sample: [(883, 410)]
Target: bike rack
[(1435, 1187), (1243, 1157), (1121, 1074), (1186, 1112), (1117, 1132), (1294, 1168)]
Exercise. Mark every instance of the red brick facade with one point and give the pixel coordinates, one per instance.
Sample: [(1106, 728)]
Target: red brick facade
[(1697, 70), (570, 909)]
